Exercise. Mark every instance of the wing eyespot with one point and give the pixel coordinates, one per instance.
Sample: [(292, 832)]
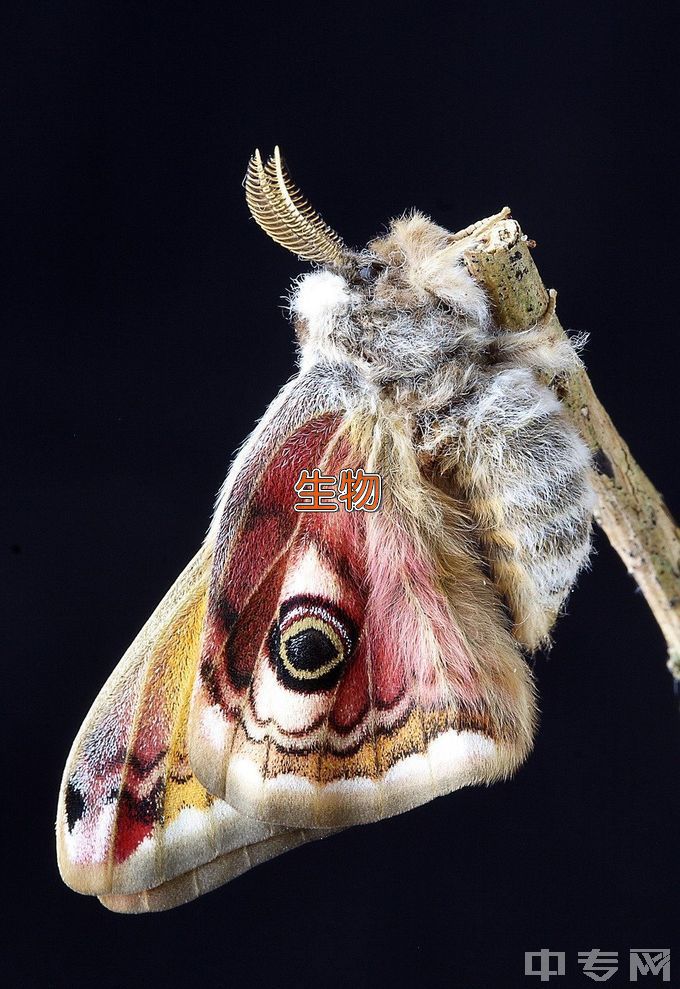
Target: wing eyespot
[(310, 644)]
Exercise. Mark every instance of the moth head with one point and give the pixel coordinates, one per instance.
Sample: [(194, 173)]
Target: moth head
[(395, 307)]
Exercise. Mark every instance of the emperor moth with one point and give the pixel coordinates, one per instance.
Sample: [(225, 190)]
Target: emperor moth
[(315, 669)]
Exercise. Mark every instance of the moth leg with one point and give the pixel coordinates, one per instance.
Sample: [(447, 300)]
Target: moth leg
[(523, 470)]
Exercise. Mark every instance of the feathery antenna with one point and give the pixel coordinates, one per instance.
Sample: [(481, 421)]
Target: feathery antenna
[(278, 206)]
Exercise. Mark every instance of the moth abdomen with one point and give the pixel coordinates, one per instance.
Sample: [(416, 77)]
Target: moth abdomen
[(525, 473)]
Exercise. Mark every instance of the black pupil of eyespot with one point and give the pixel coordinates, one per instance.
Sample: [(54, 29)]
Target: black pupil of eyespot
[(310, 649)]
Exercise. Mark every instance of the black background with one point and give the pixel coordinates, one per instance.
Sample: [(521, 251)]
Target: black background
[(144, 339)]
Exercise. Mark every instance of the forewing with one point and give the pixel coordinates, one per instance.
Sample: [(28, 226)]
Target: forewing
[(354, 664)]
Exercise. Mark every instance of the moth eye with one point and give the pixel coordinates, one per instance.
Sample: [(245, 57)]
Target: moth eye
[(310, 644), (369, 272)]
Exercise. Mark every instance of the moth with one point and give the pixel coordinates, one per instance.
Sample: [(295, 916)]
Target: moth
[(316, 669)]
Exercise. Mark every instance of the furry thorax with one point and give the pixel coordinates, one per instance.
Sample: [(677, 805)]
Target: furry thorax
[(405, 335)]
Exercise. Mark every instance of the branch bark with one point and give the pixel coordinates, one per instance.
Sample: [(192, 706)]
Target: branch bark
[(630, 509)]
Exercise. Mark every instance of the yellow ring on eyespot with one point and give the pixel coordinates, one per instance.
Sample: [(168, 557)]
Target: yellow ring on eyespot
[(301, 625)]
